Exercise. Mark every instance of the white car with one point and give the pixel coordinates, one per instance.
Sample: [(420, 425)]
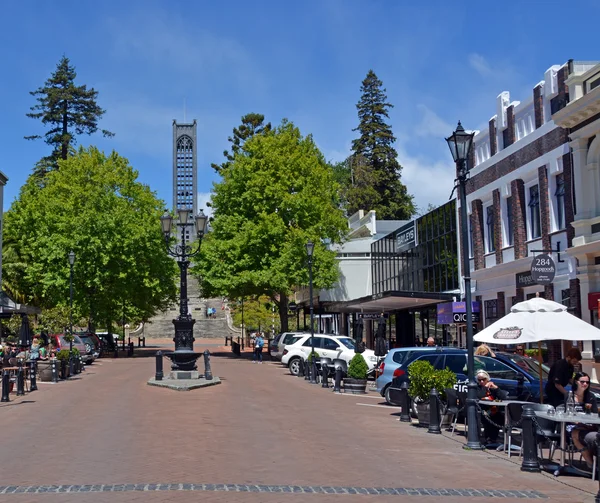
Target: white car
[(283, 340), (329, 346)]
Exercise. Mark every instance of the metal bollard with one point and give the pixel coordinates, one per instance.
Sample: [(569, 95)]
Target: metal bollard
[(71, 365), (434, 412), (226, 340), (20, 381), (159, 366), (207, 372), (116, 353), (301, 368), (130, 354), (81, 364), (139, 342), (313, 371), (307, 370), (338, 380), (54, 366), (144, 341), (324, 375), (405, 403), (528, 448), (33, 376), (5, 386)]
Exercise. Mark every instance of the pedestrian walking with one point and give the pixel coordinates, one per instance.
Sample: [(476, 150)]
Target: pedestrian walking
[(259, 342)]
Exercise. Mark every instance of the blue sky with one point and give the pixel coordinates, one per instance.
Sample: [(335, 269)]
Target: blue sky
[(439, 61)]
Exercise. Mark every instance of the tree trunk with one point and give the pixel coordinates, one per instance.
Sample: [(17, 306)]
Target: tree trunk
[(283, 311)]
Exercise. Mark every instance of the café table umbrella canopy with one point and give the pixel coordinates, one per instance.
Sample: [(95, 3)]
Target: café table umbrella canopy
[(536, 320)]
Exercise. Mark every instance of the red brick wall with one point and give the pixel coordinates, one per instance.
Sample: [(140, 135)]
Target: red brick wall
[(493, 138), (497, 225), (544, 207), (517, 189), (510, 126), (527, 154), (477, 222), (538, 106), (569, 206)]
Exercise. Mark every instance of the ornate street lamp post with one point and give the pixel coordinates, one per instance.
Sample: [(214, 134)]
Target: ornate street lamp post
[(183, 358), (460, 144), (310, 246), (71, 262)]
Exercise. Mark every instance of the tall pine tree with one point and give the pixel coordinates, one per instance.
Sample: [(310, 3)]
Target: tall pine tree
[(252, 124), (375, 171), (68, 110)]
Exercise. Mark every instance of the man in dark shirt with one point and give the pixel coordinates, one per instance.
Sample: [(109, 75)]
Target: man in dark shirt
[(560, 375)]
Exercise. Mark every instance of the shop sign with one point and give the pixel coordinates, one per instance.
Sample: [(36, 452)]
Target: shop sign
[(406, 238), (543, 269), (456, 312), (524, 279), (372, 316)]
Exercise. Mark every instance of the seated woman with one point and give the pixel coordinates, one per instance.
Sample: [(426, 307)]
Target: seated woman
[(484, 350), (584, 435), (487, 390)]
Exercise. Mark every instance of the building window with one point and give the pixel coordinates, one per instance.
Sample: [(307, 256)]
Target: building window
[(534, 211), (559, 194), (509, 221), (490, 229), (491, 311)]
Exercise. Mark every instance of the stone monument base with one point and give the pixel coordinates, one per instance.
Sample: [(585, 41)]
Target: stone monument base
[(185, 384)]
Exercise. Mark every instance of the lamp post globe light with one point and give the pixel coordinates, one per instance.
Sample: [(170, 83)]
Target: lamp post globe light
[(183, 358), (71, 262), (460, 143), (310, 247)]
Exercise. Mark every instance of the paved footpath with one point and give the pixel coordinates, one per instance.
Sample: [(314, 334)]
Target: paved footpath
[(260, 436)]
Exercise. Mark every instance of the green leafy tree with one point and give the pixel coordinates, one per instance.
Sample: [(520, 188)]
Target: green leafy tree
[(68, 110), (375, 169), (258, 313), (252, 124), (276, 195), (95, 206)]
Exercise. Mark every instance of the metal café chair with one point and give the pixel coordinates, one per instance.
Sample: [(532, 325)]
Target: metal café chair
[(515, 412)]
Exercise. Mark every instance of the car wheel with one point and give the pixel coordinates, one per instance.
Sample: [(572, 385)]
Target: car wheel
[(386, 395), (294, 366)]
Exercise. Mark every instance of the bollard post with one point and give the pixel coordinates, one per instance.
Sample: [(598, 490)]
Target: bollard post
[(116, 354), (139, 342), (5, 386), (226, 340), (405, 403), (130, 350), (81, 364), (159, 366), (71, 365), (434, 413), (207, 372), (528, 447), (301, 368), (33, 376), (338, 380), (313, 371), (324, 375), (54, 366), (307, 370), (144, 341), (20, 381)]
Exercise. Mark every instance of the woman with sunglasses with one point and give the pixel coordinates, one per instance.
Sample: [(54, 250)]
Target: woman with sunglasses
[(584, 435), (487, 390)]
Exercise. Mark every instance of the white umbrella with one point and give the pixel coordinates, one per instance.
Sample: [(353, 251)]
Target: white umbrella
[(537, 320)]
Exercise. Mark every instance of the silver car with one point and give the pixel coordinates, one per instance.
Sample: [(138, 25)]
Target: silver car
[(284, 339)]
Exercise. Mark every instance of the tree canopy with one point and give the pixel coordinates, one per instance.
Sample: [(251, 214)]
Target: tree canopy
[(375, 171), (95, 206), (276, 195), (68, 110)]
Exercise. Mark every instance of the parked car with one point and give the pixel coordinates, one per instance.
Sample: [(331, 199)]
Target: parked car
[(283, 340), (330, 346), (58, 340), (108, 343), (92, 343), (519, 375)]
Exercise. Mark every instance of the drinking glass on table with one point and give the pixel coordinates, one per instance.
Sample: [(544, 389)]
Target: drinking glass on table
[(560, 410), (551, 411), (588, 408)]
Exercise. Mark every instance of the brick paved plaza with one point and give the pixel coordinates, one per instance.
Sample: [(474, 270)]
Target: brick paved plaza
[(258, 433)]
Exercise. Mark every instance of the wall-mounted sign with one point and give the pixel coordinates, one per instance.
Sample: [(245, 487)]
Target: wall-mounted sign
[(524, 279), (406, 238), (543, 269), (371, 316), (292, 306), (456, 312)]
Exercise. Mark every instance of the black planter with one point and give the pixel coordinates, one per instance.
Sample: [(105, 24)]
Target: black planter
[(423, 414), (355, 386)]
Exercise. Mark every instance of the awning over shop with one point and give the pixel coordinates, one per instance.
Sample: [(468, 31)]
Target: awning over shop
[(397, 301)]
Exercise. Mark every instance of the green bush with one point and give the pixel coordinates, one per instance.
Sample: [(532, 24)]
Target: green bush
[(533, 353), (76, 352), (312, 355), (358, 367), (63, 354), (423, 378)]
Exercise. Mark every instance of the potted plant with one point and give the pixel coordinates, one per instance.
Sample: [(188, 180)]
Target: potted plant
[(356, 381), (63, 357), (423, 378), (76, 361)]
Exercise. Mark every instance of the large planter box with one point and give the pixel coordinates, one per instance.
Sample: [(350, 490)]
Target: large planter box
[(355, 386), (423, 414), (45, 370)]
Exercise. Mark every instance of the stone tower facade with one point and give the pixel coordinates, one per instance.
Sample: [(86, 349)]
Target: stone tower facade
[(185, 172)]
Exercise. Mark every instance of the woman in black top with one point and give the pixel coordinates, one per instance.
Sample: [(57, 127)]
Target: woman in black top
[(487, 390), (584, 435)]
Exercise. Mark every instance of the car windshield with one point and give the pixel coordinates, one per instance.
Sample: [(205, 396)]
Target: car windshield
[(529, 365), (346, 341)]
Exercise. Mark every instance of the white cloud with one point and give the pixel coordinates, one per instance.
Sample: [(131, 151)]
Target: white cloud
[(203, 198), (480, 64), (431, 124)]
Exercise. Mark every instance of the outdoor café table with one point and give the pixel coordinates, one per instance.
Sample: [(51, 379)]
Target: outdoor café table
[(563, 419), (502, 403)]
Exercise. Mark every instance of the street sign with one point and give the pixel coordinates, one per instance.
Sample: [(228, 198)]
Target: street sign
[(292, 306), (543, 269)]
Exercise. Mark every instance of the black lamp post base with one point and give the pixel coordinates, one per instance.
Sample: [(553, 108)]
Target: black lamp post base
[(184, 358)]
